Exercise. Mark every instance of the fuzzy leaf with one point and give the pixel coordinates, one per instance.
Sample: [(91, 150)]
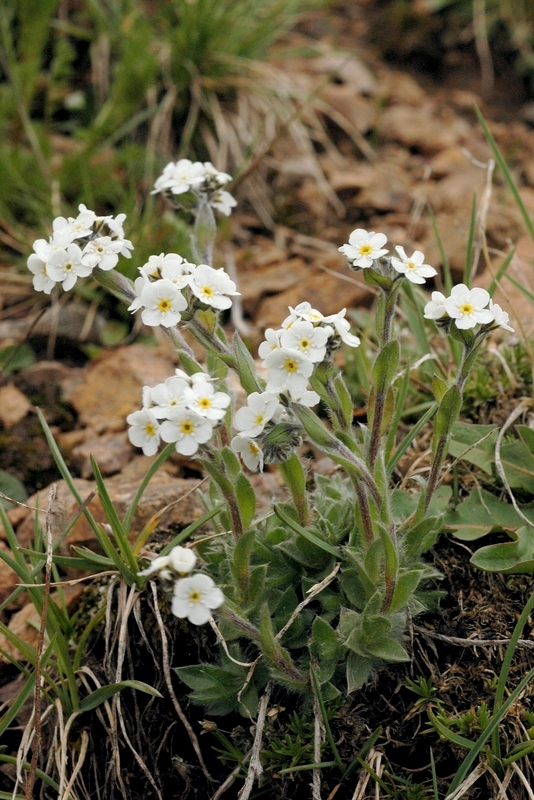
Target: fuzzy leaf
[(508, 557), (447, 414), (477, 440), (358, 671), (406, 585), (480, 513)]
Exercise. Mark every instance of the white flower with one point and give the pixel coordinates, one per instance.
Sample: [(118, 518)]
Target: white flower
[(67, 266), (102, 252), (162, 303), (412, 267), (467, 306), (176, 269), (213, 174), (139, 285), (342, 328), (305, 311), (303, 337), (500, 317), (202, 398), (223, 201), (272, 342), (252, 419), (145, 431), (364, 248), (212, 286), (159, 564), (435, 308), (165, 397), (288, 369), (180, 177), (250, 451), (182, 559), (187, 429), (307, 398), (195, 598), (42, 282)]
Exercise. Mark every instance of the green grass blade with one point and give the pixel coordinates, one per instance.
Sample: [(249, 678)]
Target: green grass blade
[(102, 694), (468, 265), (492, 727), (162, 457), (190, 530), (124, 547), (409, 438), (306, 533), (12, 712), (447, 276), (500, 272), (499, 158)]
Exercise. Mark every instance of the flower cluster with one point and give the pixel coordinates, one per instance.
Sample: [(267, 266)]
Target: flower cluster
[(365, 249), (163, 280), (306, 338), (183, 409), (266, 432), (200, 179), (467, 307), (194, 597), (76, 247)]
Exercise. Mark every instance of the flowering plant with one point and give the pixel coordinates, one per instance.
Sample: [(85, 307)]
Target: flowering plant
[(323, 586)]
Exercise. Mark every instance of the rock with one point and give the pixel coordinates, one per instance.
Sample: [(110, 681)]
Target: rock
[(113, 384), (68, 321), (326, 292), (26, 622), (8, 577), (13, 406), (111, 451), (271, 279), (162, 491), (421, 128), (350, 105)]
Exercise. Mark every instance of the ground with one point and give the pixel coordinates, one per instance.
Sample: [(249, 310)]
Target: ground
[(393, 133)]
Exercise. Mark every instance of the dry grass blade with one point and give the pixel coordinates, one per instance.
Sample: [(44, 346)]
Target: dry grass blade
[(40, 645), (319, 735), (528, 786), (255, 768), (471, 779), (167, 673), (312, 592)]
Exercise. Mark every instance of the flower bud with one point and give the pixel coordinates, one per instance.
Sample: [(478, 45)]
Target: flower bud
[(182, 560)]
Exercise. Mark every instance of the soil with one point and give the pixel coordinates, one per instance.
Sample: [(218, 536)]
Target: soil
[(400, 119)]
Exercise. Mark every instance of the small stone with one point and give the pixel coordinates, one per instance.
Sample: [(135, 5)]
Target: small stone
[(13, 406), (112, 452)]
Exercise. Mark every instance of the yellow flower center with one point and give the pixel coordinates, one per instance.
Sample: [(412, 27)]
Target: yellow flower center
[(164, 305), (410, 265), (254, 449), (195, 596), (150, 429), (305, 344), (68, 266), (207, 291), (204, 402), (187, 427), (259, 419), (366, 250), (466, 308), (291, 365)]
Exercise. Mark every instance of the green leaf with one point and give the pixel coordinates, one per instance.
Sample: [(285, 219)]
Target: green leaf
[(447, 414), (345, 400), (387, 649), (245, 366), (326, 647), (406, 585), (474, 443), (13, 488), (246, 499), (518, 465), (439, 387), (508, 557), (359, 669), (386, 365), (241, 560), (482, 512), (99, 696), (291, 523)]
